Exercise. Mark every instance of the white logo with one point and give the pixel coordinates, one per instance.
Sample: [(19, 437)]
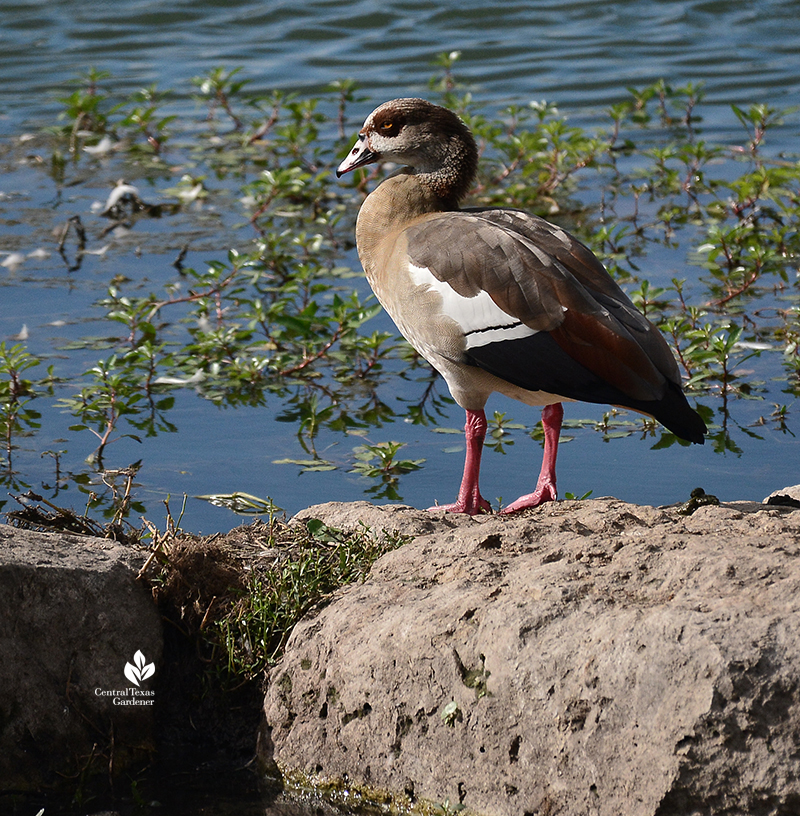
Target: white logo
[(140, 669), (133, 695)]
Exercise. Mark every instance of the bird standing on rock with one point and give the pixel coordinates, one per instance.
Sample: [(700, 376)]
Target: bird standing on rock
[(499, 300)]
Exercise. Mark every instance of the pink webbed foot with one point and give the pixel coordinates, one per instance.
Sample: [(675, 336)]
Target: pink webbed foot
[(543, 493), (471, 506), (552, 416)]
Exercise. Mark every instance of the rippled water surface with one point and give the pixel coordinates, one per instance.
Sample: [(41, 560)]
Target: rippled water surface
[(581, 55)]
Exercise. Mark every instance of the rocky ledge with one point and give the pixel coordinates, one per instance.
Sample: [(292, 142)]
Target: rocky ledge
[(589, 657)]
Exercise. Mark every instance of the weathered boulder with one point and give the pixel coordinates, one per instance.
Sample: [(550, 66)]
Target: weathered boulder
[(72, 618), (587, 657)]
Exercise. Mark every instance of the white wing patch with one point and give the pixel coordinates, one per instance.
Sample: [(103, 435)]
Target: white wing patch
[(480, 318)]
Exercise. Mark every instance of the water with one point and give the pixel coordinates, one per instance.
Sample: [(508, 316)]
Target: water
[(582, 55)]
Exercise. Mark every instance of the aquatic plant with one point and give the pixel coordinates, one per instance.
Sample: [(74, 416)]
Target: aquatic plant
[(283, 315)]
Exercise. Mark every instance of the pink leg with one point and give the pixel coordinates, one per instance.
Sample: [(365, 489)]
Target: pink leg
[(552, 415), (469, 499)]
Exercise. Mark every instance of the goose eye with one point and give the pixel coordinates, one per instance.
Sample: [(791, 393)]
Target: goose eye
[(388, 127)]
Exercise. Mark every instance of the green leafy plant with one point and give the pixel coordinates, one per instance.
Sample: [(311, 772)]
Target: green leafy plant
[(218, 88), (143, 118), (101, 405), (17, 415), (574, 497), (316, 561), (278, 323), (86, 109), (498, 431), (451, 714), (378, 462)]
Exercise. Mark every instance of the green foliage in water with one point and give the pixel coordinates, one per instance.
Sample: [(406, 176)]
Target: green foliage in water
[(280, 316)]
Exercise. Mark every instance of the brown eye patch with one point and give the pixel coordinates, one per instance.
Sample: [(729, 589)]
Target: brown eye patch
[(388, 125)]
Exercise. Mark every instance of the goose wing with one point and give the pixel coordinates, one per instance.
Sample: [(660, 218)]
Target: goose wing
[(538, 279)]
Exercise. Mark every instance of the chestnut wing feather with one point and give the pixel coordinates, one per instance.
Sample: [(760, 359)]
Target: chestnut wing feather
[(550, 281)]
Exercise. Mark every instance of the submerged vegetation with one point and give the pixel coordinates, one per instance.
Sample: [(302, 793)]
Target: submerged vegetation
[(283, 312)]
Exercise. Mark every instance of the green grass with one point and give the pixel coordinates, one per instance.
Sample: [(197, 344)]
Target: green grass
[(319, 560), (241, 594)]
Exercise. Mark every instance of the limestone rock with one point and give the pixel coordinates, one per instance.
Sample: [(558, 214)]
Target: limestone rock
[(588, 657), (72, 616)]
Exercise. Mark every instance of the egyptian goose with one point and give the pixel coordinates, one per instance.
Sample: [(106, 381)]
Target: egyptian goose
[(497, 299)]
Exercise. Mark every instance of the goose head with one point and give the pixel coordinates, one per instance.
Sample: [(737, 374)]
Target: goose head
[(431, 142)]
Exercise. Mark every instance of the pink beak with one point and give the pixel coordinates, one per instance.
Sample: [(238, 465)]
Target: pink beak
[(359, 156)]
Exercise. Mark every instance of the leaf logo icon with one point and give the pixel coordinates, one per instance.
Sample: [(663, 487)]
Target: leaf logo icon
[(140, 669)]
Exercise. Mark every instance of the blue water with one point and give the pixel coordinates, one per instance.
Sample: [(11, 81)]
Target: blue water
[(581, 55)]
